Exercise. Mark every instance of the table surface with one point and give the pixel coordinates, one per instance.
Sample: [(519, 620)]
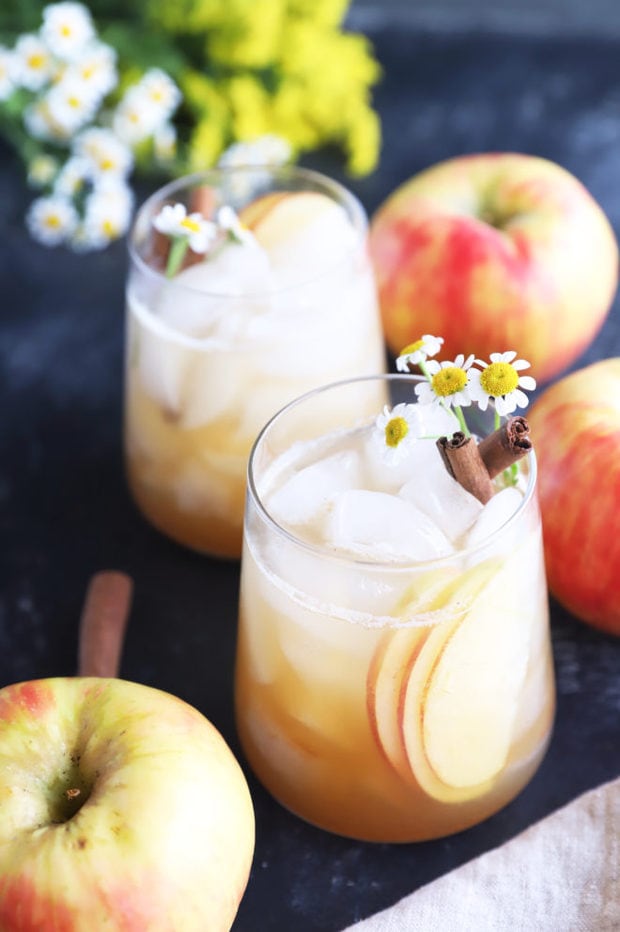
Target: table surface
[(66, 512)]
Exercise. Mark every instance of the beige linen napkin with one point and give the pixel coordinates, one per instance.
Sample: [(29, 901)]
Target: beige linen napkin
[(560, 875)]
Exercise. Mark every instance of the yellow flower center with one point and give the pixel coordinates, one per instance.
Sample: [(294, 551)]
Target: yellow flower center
[(499, 378), (36, 61), (109, 228), (65, 30), (106, 163), (396, 430), (449, 381), (74, 102), (412, 347), (192, 225), (53, 221)]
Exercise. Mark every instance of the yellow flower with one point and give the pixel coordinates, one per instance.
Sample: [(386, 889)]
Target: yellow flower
[(250, 39), (325, 12), (206, 142), (250, 107), (363, 140)]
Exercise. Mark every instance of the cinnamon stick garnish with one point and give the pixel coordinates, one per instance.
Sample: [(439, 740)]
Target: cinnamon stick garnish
[(103, 623), (461, 456), (506, 445)]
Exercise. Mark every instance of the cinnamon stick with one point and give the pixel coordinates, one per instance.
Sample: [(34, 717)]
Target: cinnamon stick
[(103, 623), (505, 445), (461, 456)]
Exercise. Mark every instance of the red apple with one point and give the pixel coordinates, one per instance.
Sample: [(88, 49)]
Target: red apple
[(121, 807), (575, 426), (495, 252)]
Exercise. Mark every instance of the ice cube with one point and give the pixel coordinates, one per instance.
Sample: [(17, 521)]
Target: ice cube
[(437, 421), (376, 525), (494, 514), (200, 300), (307, 493), (433, 490)]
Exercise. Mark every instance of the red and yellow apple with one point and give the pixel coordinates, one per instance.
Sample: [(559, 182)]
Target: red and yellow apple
[(575, 426), (121, 808), (495, 252)]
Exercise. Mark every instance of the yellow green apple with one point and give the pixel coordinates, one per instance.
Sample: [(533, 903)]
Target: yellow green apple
[(575, 426), (121, 807), (495, 252)]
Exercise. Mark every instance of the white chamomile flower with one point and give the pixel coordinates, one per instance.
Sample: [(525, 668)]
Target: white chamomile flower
[(396, 429), (173, 220), (52, 220), (500, 381), (33, 62), (72, 177), (39, 123), (107, 214), (415, 353), (263, 150), (8, 72), (228, 221), (42, 170), (447, 382), (71, 104), (95, 67), (135, 118), (108, 155), (159, 89), (67, 28)]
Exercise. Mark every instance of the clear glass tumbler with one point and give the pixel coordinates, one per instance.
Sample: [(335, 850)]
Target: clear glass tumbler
[(216, 349), (394, 678)]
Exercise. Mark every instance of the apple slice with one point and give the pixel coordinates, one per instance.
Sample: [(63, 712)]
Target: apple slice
[(277, 218), (460, 703), (394, 658)]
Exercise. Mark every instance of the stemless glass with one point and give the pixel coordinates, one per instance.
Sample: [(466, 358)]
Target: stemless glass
[(385, 699), (214, 351)]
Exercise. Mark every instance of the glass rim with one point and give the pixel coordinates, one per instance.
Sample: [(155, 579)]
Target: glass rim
[(321, 550), (334, 189)]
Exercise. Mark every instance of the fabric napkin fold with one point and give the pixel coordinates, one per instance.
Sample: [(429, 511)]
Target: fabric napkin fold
[(560, 875)]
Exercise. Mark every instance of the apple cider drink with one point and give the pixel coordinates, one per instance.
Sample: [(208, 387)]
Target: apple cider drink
[(247, 287), (394, 679)]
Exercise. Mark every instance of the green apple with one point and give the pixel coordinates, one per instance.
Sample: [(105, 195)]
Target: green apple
[(121, 808), (495, 252)]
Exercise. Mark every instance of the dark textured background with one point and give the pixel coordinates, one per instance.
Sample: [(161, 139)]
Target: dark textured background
[(65, 511)]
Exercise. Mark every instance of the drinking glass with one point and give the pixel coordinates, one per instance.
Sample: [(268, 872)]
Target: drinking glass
[(215, 350), (394, 678)]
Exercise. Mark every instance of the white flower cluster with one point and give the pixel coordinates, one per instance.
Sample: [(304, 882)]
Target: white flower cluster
[(65, 73)]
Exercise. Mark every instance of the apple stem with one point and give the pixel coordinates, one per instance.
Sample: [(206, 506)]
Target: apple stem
[(103, 623)]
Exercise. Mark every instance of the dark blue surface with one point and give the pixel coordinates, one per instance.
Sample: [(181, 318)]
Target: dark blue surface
[(65, 510)]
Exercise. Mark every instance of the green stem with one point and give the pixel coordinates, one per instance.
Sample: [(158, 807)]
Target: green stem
[(176, 255), (497, 421), (461, 419)]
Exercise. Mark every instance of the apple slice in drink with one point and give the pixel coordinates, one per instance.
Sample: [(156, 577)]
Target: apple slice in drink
[(459, 705), (393, 660)]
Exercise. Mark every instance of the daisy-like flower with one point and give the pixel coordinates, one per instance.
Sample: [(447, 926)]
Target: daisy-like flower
[(264, 150), (447, 382), (108, 155), (34, 64), (71, 104), (72, 177), (415, 353), (95, 67), (107, 214), (52, 220), (8, 72), (173, 220), (159, 89), (500, 381), (135, 118), (395, 431), (229, 222), (39, 123), (67, 28)]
